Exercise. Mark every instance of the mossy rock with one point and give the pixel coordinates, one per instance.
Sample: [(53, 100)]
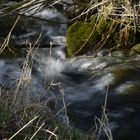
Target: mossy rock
[(81, 36), (135, 49), (77, 35), (99, 32)]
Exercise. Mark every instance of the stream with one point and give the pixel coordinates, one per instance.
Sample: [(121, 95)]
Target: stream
[(86, 88)]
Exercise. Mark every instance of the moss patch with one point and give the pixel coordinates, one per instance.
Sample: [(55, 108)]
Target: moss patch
[(78, 36)]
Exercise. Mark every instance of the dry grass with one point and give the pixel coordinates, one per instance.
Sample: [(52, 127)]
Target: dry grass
[(121, 32), (104, 121)]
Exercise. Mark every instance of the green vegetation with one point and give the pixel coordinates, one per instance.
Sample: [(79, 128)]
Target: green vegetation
[(78, 37)]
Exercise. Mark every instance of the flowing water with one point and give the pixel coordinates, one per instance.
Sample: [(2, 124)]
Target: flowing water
[(91, 88)]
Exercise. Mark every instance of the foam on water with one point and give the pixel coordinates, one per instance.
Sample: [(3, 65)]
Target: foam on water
[(104, 81)]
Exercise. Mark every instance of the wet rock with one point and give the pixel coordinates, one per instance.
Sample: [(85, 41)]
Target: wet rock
[(83, 37), (104, 52)]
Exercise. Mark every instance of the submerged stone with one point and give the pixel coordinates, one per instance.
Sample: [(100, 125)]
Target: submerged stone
[(129, 88)]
